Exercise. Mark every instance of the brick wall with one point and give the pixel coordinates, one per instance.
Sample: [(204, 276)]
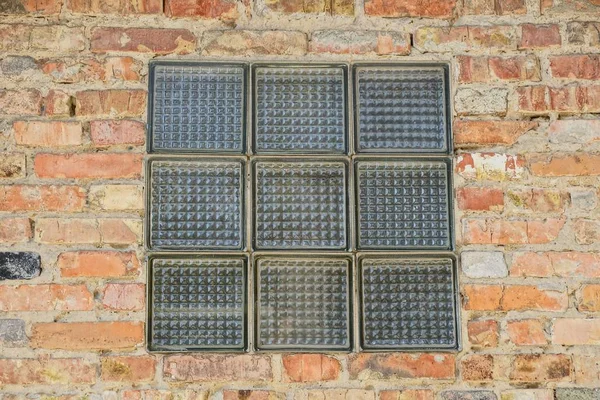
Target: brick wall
[(73, 79)]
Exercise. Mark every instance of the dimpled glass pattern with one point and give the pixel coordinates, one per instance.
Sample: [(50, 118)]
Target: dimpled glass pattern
[(300, 205), (401, 109), (196, 204), (198, 108), (403, 204), (197, 303), (408, 303), (303, 303), (300, 109)]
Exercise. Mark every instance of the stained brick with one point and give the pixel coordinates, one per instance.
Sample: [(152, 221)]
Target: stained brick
[(407, 8), (526, 332), (541, 368), (483, 333), (115, 103), (255, 43), (490, 132), (357, 42), (46, 371), (115, 6), (204, 368), (128, 369), (143, 40), (432, 366), (87, 335)]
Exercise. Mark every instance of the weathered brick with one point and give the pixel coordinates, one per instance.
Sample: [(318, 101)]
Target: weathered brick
[(117, 197), (478, 367), (360, 42), (91, 70), (539, 200), (224, 9), (564, 264), (20, 102), (432, 366), (336, 394), (87, 335), (498, 231), (468, 395), (576, 66), (116, 103), (46, 371), (406, 394), (462, 38), (19, 265), (15, 230), (88, 166), (480, 199), (490, 166), (589, 298), (115, 7), (58, 103), (555, 7), (574, 131), (143, 40), (252, 395), (587, 231), (155, 394), (483, 264), (87, 231), (490, 132), (57, 38), (12, 165), (575, 331), (41, 198), (526, 332), (46, 298), (407, 8), (310, 368), (587, 369), (12, 332), (128, 369), (121, 132), (565, 99), (333, 7), (204, 368), (17, 65), (48, 134), (255, 43), (124, 296), (483, 333), (539, 36), (583, 33), (491, 101), (494, 7), (96, 264), (579, 164), (528, 394), (541, 368), (490, 69), (45, 7), (533, 99), (577, 393), (482, 297)]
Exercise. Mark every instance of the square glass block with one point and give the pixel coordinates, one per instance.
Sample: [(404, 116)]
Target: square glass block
[(197, 303), (198, 108), (401, 109), (408, 303), (303, 303), (196, 204), (300, 109), (300, 205), (403, 204)]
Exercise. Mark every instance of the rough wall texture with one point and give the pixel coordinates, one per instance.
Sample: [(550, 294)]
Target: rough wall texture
[(527, 137)]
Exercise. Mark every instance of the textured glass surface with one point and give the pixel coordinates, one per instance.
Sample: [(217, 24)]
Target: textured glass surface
[(198, 108), (196, 204), (197, 303), (300, 109), (300, 205), (401, 109), (403, 204), (303, 303), (408, 302)]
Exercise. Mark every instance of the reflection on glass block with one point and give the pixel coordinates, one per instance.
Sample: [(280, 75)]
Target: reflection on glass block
[(300, 109), (198, 108), (403, 204), (303, 303), (300, 205), (196, 204), (408, 303), (401, 109), (197, 303)]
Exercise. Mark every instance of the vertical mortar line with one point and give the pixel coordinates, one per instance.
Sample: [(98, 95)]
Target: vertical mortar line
[(249, 209)]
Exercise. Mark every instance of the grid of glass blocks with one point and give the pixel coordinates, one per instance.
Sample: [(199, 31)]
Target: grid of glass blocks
[(257, 176), (408, 302), (197, 303), (303, 303)]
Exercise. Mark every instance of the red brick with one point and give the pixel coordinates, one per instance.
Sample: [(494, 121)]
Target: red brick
[(45, 7), (483, 333), (576, 66), (58, 104), (15, 230), (124, 296), (41, 198), (490, 69), (46, 298), (580, 164), (480, 199), (98, 264), (497, 231), (122, 69), (526, 332), (224, 9), (86, 231), (539, 36), (490, 166), (430, 365), (587, 231), (482, 297), (20, 102), (255, 43), (357, 42), (565, 99), (206, 368), (522, 298), (46, 371), (310, 368), (406, 394), (407, 8), (87, 335), (533, 99), (575, 331), (590, 298), (92, 70), (478, 367), (48, 134), (88, 166), (116, 103), (144, 40), (539, 200), (119, 7), (128, 369), (541, 368), (564, 264), (589, 98), (492, 7), (110, 132), (490, 132)]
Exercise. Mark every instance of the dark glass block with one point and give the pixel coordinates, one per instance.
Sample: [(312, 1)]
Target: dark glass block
[(303, 303), (198, 108), (401, 109), (197, 304), (300, 205), (403, 204), (408, 303), (196, 204), (300, 108)]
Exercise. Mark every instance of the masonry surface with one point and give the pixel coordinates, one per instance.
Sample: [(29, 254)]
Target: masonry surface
[(526, 99)]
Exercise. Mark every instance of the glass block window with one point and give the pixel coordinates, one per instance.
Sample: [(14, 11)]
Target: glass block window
[(300, 207)]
